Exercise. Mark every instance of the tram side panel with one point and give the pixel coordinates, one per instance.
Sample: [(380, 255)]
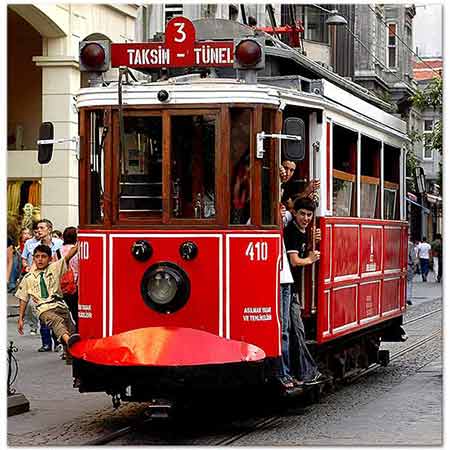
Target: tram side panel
[(252, 290), (362, 275), (92, 284)]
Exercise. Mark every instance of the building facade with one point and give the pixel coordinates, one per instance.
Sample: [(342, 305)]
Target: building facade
[(373, 50), (43, 78)]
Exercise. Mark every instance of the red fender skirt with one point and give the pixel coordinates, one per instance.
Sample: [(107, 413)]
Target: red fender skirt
[(165, 346)]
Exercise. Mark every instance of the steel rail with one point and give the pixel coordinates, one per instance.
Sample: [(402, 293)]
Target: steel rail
[(396, 355), (262, 423), (273, 419), (414, 319)]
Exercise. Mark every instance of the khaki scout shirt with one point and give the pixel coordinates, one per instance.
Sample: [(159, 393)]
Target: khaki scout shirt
[(30, 285)]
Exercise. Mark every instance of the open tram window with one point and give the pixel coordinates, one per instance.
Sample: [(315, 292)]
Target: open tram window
[(370, 177), (240, 120), (97, 135), (141, 166), (193, 190), (344, 171), (391, 195)]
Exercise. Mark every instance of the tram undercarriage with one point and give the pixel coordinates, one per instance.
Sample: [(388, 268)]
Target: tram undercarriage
[(338, 360)]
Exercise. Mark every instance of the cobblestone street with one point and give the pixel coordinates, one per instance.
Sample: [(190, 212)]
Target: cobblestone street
[(401, 404)]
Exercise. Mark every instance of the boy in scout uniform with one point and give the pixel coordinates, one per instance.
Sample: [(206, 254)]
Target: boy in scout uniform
[(43, 285)]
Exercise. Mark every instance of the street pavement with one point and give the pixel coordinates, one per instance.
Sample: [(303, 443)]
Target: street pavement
[(46, 381)]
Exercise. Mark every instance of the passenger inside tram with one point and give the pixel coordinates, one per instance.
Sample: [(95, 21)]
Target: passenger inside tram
[(241, 191), (240, 126)]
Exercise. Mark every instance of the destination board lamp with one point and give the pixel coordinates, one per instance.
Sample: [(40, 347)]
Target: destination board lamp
[(94, 56)]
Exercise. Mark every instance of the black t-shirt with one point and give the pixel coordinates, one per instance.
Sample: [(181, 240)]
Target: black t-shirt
[(9, 242), (295, 242)]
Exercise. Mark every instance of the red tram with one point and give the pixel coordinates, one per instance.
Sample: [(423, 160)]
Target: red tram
[(179, 274)]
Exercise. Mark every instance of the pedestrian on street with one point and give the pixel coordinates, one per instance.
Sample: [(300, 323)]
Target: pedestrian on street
[(410, 270), (416, 260), (436, 248), (43, 236), (9, 259), (424, 257), (43, 285), (30, 314), (57, 234), (69, 283)]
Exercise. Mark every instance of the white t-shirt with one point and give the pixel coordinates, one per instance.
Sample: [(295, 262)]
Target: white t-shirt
[(285, 273), (424, 250)]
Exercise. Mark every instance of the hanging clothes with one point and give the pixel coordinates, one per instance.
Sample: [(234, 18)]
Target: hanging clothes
[(34, 193), (14, 189)]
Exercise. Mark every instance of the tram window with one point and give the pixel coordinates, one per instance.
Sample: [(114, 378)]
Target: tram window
[(141, 166), (193, 142), (391, 183), (240, 120), (370, 177), (96, 166), (390, 200), (344, 172), (267, 184)]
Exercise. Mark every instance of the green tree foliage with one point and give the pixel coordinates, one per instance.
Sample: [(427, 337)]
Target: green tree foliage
[(428, 98), (431, 98)]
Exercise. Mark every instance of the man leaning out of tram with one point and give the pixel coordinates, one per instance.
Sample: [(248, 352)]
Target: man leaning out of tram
[(303, 366), (43, 285)]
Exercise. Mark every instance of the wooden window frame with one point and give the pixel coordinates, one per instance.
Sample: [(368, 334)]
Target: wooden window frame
[(390, 46), (115, 220)]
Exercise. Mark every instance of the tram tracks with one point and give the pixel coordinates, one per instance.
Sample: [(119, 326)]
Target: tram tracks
[(270, 421), (423, 316)]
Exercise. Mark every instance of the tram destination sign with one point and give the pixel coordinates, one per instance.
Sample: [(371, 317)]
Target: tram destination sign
[(180, 49)]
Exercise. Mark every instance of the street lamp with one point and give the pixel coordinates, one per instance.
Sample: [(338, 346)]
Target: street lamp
[(334, 17)]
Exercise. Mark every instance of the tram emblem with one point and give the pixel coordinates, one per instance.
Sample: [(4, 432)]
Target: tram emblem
[(371, 266)]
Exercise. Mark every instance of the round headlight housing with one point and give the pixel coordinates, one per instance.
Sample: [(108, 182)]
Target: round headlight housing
[(165, 287)]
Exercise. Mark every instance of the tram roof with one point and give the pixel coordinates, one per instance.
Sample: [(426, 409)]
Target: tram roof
[(193, 90)]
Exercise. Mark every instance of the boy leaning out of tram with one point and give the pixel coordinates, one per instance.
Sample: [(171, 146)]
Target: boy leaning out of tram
[(296, 242), (287, 170), (43, 285)]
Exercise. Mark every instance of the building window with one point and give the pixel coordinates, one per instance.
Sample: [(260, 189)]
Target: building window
[(427, 139), (171, 11), (392, 45), (313, 21), (233, 12)]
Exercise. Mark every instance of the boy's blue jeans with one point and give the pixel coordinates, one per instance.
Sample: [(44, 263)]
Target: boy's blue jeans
[(285, 304)]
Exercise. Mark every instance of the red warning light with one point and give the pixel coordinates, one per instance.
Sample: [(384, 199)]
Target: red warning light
[(93, 55), (248, 53)]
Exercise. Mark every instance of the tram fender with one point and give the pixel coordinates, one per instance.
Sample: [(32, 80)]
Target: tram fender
[(165, 347)]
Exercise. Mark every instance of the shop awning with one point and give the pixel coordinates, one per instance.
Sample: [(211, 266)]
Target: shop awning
[(425, 210)]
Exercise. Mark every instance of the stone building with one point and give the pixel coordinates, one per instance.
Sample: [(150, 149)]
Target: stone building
[(43, 78)]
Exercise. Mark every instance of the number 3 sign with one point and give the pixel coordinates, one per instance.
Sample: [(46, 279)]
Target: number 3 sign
[(180, 38)]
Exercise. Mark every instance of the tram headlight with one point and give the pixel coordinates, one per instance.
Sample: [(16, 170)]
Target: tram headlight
[(165, 287)]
